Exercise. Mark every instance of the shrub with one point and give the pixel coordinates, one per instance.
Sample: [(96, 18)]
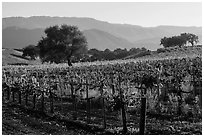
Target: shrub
[(161, 50)]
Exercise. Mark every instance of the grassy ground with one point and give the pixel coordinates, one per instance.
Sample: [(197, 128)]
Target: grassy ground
[(18, 119), (11, 56)]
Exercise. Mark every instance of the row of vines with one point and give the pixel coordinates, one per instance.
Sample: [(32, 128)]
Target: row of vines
[(109, 94)]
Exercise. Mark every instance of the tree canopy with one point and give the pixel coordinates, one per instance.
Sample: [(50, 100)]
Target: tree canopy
[(61, 43), (180, 40), (191, 38), (31, 51)]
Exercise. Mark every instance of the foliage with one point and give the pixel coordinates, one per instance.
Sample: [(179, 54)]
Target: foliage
[(162, 80), (191, 38), (61, 43), (32, 51), (168, 75), (161, 50), (180, 40), (97, 55)]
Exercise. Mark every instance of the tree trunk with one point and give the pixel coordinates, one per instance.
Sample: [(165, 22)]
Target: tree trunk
[(69, 61), (192, 43)]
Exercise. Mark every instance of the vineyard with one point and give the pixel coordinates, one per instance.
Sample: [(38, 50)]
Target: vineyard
[(127, 97)]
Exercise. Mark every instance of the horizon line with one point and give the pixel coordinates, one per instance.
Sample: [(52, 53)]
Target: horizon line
[(98, 20)]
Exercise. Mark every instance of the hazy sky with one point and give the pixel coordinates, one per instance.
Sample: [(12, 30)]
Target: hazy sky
[(144, 14)]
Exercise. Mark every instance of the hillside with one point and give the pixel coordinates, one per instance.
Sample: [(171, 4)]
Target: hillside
[(148, 37), (172, 52), (102, 40), (14, 37), (11, 56)]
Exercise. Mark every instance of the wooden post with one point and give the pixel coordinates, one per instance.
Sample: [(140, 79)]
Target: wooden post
[(75, 108), (34, 101), (194, 83), (122, 108), (19, 96), (179, 111), (103, 107), (104, 113), (200, 94), (143, 114), (8, 93), (72, 89), (88, 103), (60, 88), (112, 85), (26, 97), (51, 98), (42, 102), (13, 94), (73, 100), (51, 103)]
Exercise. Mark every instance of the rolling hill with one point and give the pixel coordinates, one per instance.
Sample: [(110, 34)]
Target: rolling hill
[(30, 30), (171, 53), (102, 40), (15, 37), (12, 56)]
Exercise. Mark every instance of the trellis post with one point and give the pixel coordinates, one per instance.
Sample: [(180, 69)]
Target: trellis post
[(143, 111), (13, 94), (73, 100), (19, 96), (34, 100), (8, 93), (88, 103), (51, 103), (103, 106), (122, 108)]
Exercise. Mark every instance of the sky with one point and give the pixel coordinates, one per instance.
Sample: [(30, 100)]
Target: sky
[(147, 14)]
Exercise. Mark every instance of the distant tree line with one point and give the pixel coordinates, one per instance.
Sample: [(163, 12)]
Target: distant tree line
[(68, 44), (88, 55), (180, 40), (100, 55)]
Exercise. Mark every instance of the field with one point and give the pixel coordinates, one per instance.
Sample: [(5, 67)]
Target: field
[(13, 56), (105, 97)]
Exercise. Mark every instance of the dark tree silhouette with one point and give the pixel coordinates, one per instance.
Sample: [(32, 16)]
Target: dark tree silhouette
[(173, 41), (32, 51), (61, 43), (179, 40), (191, 38)]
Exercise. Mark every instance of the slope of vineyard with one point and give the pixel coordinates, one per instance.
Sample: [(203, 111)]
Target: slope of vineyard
[(11, 56), (173, 52), (72, 93)]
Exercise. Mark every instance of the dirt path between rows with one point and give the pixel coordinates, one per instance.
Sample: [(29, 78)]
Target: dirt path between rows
[(17, 122)]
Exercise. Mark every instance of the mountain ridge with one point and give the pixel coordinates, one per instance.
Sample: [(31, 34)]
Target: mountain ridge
[(134, 34)]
